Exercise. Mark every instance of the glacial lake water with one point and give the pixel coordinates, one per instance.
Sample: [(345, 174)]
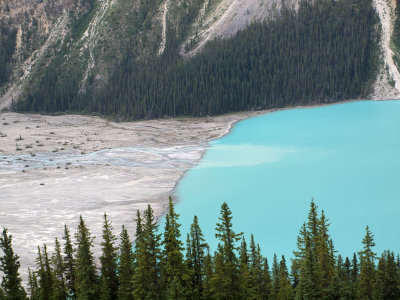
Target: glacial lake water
[(345, 156)]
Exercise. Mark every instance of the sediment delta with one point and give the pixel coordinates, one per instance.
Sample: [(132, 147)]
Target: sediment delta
[(55, 168)]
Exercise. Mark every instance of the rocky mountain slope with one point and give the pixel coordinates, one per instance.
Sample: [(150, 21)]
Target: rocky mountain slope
[(38, 27), (91, 33), (83, 40)]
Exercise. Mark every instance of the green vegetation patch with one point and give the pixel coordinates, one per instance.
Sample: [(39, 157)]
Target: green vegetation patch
[(161, 266), (325, 52), (7, 48)]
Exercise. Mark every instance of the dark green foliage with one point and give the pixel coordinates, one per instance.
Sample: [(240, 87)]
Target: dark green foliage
[(226, 275), (325, 256), (7, 47), (354, 276), (9, 266), (33, 287), (275, 277), (174, 273), (285, 291), (367, 267), (59, 289), (159, 271), (45, 274), (305, 264), (80, 22), (246, 288), (396, 27), (108, 260), (387, 284), (314, 264), (208, 273), (259, 272), (86, 278), (340, 283), (323, 53), (69, 264), (146, 278), (125, 267), (195, 258)]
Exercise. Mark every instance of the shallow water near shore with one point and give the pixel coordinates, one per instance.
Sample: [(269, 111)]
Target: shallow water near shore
[(345, 156)]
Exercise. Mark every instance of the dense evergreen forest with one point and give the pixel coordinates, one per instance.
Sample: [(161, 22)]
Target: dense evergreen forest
[(160, 266), (396, 30), (325, 52), (7, 47)]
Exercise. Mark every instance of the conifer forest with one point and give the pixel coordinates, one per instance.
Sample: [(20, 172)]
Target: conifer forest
[(166, 265), (324, 52)]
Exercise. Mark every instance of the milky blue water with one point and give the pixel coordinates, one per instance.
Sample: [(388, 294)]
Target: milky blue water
[(345, 156)]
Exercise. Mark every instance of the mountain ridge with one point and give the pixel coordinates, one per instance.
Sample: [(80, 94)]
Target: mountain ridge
[(90, 52)]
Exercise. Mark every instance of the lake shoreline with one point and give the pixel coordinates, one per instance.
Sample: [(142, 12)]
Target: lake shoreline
[(83, 166), (275, 172), (255, 114), (55, 168)]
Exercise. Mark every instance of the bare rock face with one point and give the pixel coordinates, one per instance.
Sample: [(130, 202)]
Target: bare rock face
[(34, 20), (37, 27), (226, 17)]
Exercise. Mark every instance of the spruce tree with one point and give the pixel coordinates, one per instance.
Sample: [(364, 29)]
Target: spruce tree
[(259, 272), (108, 261), (267, 282), (275, 277), (207, 276), (354, 276), (138, 236), (299, 255), (190, 292), (86, 278), (125, 267), (347, 269), (387, 278), (380, 278), (45, 274), (325, 255), (340, 284), (146, 279), (285, 291), (306, 268), (367, 267), (197, 246), (59, 289), (9, 266), (246, 288), (69, 264), (308, 287), (175, 274), (391, 280), (313, 247), (33, 285), (313, 225), (392, 277), (219, 281), (228, 265)]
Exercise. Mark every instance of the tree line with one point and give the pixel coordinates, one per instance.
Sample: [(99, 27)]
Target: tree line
[(159, 265), (324, 52), (396, 31), (7, 48)]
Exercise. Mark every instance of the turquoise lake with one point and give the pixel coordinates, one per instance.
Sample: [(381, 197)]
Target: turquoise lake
[(345, 156)]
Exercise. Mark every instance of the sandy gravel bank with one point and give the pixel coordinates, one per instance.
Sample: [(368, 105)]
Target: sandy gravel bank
[(54, 168)]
